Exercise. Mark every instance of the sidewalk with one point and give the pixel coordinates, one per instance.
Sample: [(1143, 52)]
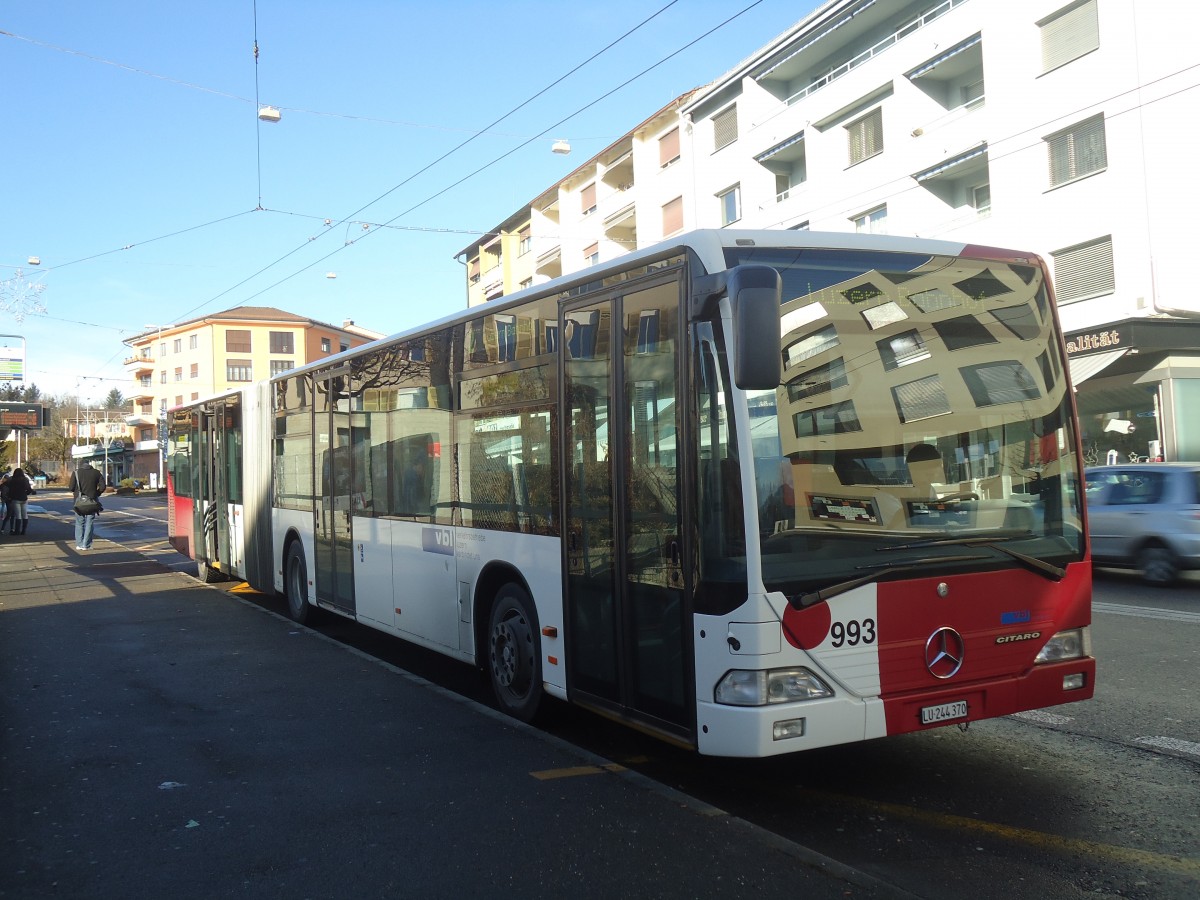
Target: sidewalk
[(162, 739)]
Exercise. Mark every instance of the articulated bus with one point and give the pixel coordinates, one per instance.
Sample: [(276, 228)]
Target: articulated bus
[(753, 492)]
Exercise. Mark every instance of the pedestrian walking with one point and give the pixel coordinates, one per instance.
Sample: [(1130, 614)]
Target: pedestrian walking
[(4, 505), (86, 485), (19, 490)]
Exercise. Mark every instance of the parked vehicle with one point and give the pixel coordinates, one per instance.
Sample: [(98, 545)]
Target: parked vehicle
[(1145, 516)]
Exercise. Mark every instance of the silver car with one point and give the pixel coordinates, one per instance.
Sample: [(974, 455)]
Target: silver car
[(1147, 517)]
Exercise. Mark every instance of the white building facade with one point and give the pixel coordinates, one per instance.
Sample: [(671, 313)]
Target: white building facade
[(1056, 127)]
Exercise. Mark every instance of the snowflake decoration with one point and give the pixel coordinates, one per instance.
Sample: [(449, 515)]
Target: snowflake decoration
[(21, 297)]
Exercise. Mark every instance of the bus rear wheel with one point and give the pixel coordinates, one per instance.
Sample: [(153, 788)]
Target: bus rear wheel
[(514, 658), (207, 573), (295, 584)]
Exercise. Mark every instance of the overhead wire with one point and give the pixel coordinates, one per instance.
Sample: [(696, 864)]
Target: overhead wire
[(497, 159), (452, 151)]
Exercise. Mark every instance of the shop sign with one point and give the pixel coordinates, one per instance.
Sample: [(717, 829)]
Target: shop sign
[(1093, 341)]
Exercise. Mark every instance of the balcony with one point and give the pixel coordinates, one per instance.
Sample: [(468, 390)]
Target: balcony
[(139, 363)]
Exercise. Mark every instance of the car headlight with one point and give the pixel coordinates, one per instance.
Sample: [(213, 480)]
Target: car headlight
[(746, 687), (1074, 643)]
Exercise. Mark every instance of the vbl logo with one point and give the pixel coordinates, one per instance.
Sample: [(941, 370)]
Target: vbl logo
[(437, 540)]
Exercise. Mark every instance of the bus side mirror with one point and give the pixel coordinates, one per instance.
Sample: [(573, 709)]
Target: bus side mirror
[(755, 294)]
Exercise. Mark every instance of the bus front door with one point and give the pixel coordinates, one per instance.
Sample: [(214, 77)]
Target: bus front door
[(623, 547), (332, 537)]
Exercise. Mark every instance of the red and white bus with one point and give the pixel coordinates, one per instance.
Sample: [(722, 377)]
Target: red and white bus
[(754, 492)]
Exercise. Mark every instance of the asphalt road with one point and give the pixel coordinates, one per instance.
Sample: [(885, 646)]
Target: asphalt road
[(1098, 799)]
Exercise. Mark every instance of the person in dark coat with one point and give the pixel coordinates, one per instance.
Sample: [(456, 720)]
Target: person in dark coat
[(87, 483), (19, 490)]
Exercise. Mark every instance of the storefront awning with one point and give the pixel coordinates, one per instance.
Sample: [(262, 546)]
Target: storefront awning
[(1084, 367)]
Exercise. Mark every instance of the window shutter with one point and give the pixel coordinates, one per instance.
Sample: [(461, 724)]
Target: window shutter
[(865, 136), (1078, 151), (673, 216), (668, 147), (588, 198), (725, 127), (1085, 270), (1069, 35), (591, 250)]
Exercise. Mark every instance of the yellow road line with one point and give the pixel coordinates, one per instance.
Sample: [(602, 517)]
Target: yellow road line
[(1038, 839), (551, 774)]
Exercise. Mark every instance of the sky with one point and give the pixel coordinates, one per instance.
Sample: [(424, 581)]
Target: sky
[(134, 165)]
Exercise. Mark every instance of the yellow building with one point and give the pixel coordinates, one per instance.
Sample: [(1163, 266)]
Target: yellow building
[(175, 364)]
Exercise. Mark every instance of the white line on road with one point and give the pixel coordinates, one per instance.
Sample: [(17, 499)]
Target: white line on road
[(1042, 717), (1191, 748), (1146, 612)]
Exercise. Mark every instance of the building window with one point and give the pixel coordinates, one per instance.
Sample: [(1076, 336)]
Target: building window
[(981, 198), (146, 434), (865, 136), (591, 254), (1077, 151), (179, 399), (281, 342), (524, 241), (668, 148), (587, 199), (163, 377), (195, 396), (177, 347), (731, 205), (1070, 33), (179, 373), (725, 128), (1084, 270), (162, 349), (193, 341), (343, 347), (873, 221), (673, 216), (325, 345), (281, 365), (194, 371), (237, 341), (239, 370)]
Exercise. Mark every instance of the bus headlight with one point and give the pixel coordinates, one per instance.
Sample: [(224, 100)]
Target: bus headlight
[(744, 687), (1074, 643)]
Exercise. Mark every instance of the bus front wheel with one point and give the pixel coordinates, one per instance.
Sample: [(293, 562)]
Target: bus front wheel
[(514, 660), (295, 584)]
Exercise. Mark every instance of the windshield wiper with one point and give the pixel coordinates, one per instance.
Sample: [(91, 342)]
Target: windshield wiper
[(1038, 566), (814, 597)]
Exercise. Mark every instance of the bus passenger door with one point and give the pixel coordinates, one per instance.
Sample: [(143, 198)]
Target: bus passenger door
[(626, 623), (332, 537)]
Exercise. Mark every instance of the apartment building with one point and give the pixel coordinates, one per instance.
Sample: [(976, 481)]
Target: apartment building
[(174, 364), (1044, 125), (631, 194)]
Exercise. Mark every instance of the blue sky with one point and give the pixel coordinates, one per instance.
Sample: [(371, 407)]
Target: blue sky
[(134, 164)]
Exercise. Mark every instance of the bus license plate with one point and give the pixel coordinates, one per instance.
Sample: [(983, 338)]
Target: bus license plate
[(943, 712)]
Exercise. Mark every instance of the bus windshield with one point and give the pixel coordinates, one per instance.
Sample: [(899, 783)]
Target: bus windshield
[(922, 419)]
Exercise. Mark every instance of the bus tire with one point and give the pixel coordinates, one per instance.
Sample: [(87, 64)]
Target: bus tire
[(514, 656), (207, 573), (295, 584)]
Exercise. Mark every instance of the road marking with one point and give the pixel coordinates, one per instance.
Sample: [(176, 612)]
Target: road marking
[(1188, 867), (1042, 717), (1146, 612), (575, 771), (1176, 745)]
